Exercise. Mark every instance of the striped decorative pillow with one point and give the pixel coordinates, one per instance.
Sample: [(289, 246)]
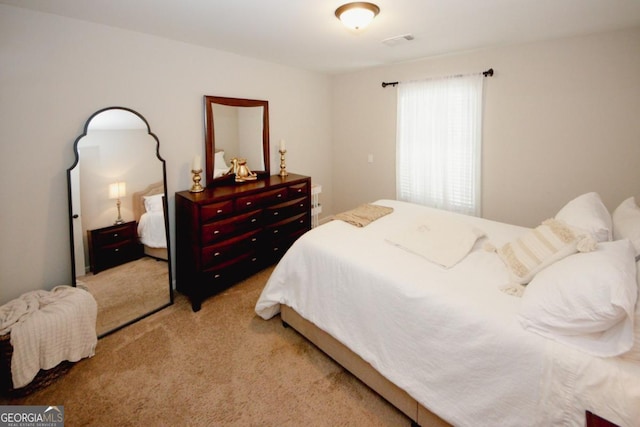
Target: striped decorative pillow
[(549, 242)]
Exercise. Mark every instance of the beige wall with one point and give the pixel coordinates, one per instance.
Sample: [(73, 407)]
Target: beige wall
[(55, 72), (561, 118)]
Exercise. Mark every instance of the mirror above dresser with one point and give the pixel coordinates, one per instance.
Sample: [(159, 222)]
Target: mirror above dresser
[(235, 128)]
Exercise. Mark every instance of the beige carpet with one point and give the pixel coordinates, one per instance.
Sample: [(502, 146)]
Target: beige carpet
[(128, 291), (221, 366)]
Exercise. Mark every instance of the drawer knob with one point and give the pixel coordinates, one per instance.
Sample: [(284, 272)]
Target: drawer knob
[(275, 231), (276, 213), (116, 250), (253, 220), (115, 234), (216, 254), (254, 239), (301, 204), (217, 276), (248, 203), (219, 211), (254, 259), (279, 195), (216, 232)]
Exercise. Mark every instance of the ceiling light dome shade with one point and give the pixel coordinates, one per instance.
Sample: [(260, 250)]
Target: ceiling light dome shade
[(357, 15)]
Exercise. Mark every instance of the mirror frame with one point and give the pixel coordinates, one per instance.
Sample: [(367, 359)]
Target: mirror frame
[(166, 216), (210, 139)]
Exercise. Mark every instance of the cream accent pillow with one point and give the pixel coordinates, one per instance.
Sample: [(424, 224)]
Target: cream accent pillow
[(538, 248), (588, 214), (587, 300), (626, 223)]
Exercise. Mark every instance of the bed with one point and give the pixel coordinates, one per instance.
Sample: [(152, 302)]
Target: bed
[(148, 210), (447, 345)]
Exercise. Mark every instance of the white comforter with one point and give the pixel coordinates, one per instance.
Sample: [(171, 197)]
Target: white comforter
[(449, 337), (151, 229)]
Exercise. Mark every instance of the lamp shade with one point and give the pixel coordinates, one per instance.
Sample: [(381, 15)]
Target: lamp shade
[(117, 190), (357, 15)]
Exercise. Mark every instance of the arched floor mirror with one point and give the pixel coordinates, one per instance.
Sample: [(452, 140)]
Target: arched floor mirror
[(119, 227)]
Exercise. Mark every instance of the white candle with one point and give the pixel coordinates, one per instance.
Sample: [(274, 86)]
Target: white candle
[(282, 146), (196, 163)]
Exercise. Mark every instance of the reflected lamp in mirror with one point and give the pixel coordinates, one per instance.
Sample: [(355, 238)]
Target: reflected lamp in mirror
[(116, 191)]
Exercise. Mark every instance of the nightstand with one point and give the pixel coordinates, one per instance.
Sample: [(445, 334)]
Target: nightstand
[(114, 245)]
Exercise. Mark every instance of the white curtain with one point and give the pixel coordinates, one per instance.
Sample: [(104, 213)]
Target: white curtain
[(438, 145)]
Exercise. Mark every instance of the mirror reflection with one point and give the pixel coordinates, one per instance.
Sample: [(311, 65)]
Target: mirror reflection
[(117, 191), (237, 132)]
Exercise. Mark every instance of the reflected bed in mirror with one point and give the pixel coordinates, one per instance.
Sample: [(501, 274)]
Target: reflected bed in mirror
[(237, 129), (118, 218)]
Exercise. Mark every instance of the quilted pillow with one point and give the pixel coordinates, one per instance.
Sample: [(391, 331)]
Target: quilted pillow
[(588, 214), (626, 223), (538, 248), (586, 300)]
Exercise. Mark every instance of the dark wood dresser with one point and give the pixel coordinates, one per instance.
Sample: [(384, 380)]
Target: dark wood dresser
[(113, 245), (229, 232)]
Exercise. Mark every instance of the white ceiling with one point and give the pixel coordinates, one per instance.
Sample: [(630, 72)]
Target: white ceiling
[(306, 33)]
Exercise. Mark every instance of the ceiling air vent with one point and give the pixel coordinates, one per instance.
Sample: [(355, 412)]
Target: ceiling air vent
[(396, 40)]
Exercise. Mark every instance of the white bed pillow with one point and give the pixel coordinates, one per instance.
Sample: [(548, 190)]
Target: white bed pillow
[(586, 300), (626, 222), (219, 161), (588, 214), (153, 203), (540, 247)]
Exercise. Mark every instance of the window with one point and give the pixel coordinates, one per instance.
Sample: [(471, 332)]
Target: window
[(438, 146)]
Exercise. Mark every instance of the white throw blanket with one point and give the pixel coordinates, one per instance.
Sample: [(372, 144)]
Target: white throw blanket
[(438, 238), (48, 327)]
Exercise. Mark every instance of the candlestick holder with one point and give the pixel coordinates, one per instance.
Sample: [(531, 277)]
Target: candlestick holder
[(196, 187), (283, 166)]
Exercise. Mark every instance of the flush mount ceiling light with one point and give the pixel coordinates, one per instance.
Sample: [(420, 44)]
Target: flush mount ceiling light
[(357, 15)]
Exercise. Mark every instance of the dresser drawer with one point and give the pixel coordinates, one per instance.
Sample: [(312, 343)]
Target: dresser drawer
[(114, 255), (261, 199), (282, 229), (222, 229), (287, 209), (228, 272), (230, 248), (114, 234), (298, 190), (275, 248), (216, 210)]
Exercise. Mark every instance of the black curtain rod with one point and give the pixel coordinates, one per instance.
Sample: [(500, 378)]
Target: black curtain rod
[(488, 73)]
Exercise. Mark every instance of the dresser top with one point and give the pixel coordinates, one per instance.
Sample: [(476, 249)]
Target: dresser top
[(234, 189)]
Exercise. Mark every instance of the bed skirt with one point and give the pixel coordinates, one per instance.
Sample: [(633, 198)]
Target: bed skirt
[(361, 369)]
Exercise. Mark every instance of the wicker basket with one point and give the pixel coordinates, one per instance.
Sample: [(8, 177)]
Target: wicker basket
[(42, 379)]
